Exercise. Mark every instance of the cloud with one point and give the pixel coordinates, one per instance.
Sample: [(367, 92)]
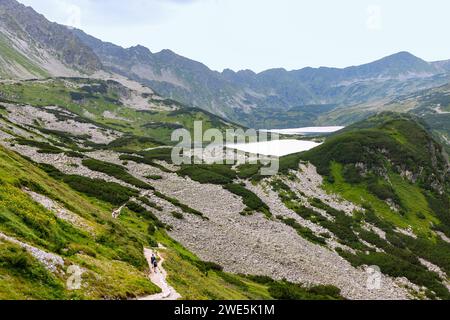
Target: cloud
[(374, 20), (74, 14), (82, 13)]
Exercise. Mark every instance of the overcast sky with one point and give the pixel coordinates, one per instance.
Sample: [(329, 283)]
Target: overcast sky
[(263, 34)]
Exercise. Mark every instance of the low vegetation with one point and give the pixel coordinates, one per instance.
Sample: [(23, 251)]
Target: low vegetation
[(106, 191), (115, 171), (251, 200), (180, 205)]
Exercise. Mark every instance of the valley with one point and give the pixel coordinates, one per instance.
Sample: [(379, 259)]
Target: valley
[(88, 180)]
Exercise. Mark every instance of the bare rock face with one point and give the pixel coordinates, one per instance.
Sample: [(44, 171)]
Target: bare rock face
[(58, 119), (49, 46), (51, 261)]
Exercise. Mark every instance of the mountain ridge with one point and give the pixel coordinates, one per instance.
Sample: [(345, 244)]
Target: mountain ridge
[(239, 95), (48, 46)]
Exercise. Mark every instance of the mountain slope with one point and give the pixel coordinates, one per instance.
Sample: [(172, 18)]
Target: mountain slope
[(31, 46), (392, 167), (46, 229), (171, 75), (112, 105), (61, 200), (431, 105)]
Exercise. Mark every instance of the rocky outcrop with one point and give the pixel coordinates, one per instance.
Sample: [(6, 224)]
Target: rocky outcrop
[(51, 261)]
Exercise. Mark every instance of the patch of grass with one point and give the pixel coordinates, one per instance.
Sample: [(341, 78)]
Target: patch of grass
[(180, 205), (25, 277), (116, 171), (304, 232), (250, 199), (106, 191), (214, 174)]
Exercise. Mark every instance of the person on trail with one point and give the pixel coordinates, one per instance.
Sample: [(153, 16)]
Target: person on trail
[(154, 262)]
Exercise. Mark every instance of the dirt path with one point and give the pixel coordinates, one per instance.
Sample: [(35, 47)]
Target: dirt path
[(159, 278)]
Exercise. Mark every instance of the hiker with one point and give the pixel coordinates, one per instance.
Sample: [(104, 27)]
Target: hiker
[(154, 262)]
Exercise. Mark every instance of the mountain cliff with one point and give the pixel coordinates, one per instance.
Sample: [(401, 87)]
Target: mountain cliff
[(32, 46)]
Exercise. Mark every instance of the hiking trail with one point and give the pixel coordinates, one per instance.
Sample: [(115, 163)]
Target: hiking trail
[(159, 278)]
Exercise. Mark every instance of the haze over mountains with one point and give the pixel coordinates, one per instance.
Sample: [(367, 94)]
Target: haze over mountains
[(38, 48)]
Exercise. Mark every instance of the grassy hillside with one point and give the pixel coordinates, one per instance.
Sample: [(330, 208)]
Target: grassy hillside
[(431, 105), (110, 251), (389, 157), (11, 60), (392, 167), (108, 104)]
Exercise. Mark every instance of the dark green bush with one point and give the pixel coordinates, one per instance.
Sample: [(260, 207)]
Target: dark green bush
[(180, 205), (177, 215), (115, 171), (107, 191), (304, 232), (250, 199), (283, 290), (201, 174), (149, 203)]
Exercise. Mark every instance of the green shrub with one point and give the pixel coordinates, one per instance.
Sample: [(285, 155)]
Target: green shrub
[(304, 232), (180, 205), (351, 174), (144, 213), (247, 171), (203, 176), (382, 190), (149, 203), (115, 171), (177, 215), (283, 290), (106, 191), (250, 199), (43, 147), (154, 177), (214, 173)]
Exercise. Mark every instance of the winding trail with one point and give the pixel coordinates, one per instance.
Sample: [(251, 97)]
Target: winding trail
[(159, 278)]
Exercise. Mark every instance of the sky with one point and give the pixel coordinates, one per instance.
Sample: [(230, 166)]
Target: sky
[(264, 34)]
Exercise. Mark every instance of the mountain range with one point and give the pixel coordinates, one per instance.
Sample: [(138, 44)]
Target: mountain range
[(252, 99)]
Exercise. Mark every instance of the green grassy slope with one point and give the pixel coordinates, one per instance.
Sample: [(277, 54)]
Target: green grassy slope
[(371, 156), (109, 250), (10, 57), (90, 99), (369, 164)]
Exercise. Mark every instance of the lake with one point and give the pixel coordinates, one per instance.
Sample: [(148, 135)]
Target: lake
[(276, 148), (306, 130), (280, 148)]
